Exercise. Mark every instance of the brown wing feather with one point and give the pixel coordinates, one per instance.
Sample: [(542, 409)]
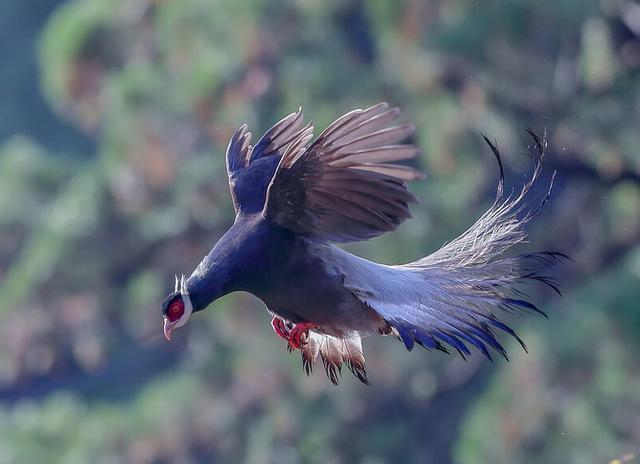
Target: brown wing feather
[(343, 186)]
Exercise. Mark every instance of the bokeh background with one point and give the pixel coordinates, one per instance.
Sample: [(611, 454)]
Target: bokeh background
[(114, 117)]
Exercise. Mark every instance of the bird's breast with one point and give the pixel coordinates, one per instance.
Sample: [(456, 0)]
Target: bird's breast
[(304, 288)]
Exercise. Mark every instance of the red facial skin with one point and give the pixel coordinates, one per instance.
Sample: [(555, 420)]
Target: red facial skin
[(176, 310)]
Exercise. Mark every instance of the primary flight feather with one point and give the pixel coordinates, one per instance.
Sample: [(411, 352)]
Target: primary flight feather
[(294, 198)]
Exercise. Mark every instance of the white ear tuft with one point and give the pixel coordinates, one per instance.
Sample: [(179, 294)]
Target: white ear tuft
[(183, 285)]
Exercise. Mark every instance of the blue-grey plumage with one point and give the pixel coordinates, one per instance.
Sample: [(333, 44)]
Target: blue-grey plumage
[(295, 199)]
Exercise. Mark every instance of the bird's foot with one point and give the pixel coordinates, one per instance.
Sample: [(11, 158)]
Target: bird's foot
[(299, 335), (280, 327)]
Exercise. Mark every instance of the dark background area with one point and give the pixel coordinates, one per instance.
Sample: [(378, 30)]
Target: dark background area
[(114, 117)]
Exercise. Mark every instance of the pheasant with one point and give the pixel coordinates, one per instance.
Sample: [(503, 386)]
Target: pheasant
[(296, 198)]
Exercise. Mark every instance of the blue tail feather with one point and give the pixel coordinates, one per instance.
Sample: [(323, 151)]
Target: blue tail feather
[(514, 302), (453, 341), (481, 336), (406, 335)]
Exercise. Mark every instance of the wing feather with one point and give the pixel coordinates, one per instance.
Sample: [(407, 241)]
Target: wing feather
[(352, 209), (394, 170), (343, 186), (375, 155), (375, 139), (369, 201), (359, 123), (344, 124), (250, 169), (238, 149), (278, 136)]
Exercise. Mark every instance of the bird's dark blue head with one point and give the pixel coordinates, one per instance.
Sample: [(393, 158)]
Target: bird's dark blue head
[(238, 261), (176, 308)]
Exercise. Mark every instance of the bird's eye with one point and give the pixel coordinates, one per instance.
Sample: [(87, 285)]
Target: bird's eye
[(176, 309)]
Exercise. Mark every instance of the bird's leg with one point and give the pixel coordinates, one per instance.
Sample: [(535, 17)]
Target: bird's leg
[(299, 335), (280, 327)]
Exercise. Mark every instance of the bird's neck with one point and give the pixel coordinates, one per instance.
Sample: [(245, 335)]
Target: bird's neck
[(208, 282), (235, 262)]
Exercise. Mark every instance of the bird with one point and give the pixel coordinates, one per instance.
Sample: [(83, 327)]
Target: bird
[(297, 198)]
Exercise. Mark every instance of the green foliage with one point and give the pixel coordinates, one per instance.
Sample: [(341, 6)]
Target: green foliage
[(89, 248), (570, 399)]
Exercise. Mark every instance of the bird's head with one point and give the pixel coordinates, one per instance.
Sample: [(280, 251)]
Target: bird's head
[(176, 308)]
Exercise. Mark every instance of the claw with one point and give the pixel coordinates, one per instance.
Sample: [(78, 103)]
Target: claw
[(280, 327), (299, 335), (296, 335)]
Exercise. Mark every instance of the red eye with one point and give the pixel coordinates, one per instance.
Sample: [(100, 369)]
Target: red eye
[(176, 310)]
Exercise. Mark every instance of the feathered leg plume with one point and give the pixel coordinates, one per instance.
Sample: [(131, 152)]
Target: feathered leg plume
[(334, 351)]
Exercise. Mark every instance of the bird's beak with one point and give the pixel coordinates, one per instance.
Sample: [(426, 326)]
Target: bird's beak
[(168, 327)]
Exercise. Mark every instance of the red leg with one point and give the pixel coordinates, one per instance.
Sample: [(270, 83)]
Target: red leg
[(280, 327), (299, 334)]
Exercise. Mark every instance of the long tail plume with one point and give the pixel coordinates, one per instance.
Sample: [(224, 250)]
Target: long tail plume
[(466, 280), (502, 225)]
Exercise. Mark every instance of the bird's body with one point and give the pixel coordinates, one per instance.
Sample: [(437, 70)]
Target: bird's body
[(297, 279), (310, 287), (295, 200)]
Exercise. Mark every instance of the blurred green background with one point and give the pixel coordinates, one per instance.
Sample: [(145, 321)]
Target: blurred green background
[(114, 116)]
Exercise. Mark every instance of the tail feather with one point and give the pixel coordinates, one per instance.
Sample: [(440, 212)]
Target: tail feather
[(500, 227), (453, 296)]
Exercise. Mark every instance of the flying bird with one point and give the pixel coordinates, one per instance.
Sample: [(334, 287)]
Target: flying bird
[(295, 198)]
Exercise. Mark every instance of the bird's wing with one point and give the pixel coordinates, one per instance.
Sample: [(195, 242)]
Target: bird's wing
[(250, 169), (343, 187)]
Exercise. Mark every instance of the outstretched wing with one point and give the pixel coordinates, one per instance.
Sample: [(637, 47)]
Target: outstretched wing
[(250, 169), (344, 187)]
